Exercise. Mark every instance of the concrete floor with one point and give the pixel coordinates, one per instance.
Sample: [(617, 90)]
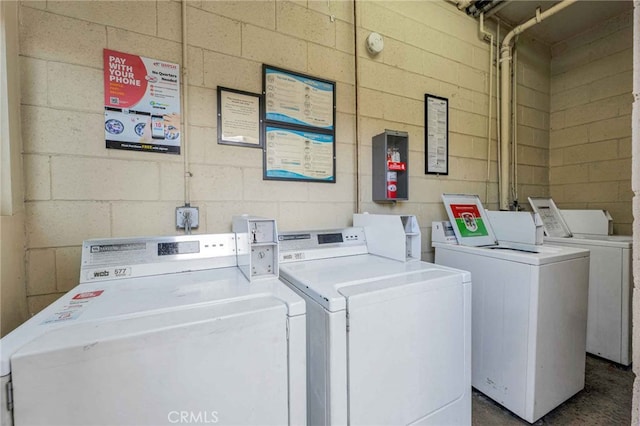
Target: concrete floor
[(605, 400)]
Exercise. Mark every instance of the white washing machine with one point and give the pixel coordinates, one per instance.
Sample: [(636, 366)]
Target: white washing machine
[(160, 331), (388, 342), (529, 309), (610, 274)]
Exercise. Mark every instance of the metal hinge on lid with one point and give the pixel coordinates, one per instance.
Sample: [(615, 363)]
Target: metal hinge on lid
[(9, 396)]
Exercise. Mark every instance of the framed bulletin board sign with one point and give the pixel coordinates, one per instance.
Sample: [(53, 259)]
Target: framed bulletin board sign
[(299, 126), (436, 126), (299, 155)]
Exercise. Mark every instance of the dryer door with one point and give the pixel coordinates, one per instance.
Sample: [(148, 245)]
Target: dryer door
[(409, 350), (210, 363)]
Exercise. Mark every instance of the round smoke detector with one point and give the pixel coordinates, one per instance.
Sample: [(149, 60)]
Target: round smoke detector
[(375, 43)]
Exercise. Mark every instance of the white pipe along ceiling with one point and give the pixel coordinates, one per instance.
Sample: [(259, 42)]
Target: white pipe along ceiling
[(505, 107), (483, 9)]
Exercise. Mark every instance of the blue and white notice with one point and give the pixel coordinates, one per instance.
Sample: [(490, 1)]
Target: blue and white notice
[(298, 154), (298, 100)]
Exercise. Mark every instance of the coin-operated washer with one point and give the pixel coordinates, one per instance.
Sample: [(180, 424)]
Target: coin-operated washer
[(610, 274), (162, 330), (529, 308), (388, 341)]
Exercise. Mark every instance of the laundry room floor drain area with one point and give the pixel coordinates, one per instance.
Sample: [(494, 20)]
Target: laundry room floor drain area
[(605, 400)]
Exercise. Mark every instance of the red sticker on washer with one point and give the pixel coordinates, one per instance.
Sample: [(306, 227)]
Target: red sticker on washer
[(88, 294)]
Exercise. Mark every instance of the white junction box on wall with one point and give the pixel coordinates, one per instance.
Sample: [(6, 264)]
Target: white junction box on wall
[(187, 217)]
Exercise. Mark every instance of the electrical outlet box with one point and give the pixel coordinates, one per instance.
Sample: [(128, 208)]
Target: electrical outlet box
[(184, 214)]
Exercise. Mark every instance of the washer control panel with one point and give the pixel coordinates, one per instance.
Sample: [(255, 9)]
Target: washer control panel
[(305, 245), (118, 258)]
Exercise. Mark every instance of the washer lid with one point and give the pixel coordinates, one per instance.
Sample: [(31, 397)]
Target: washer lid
[(584, 240), (546, 254), (134, 297), (588, 221), (552, 221), (469, 220), (331, 281), (200, 356)]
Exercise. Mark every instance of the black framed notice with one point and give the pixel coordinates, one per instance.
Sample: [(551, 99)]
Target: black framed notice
[(299, 154), (436, 123), (240, 118), (299, 126)]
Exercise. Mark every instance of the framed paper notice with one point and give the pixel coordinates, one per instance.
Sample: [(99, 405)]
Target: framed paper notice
[(436, 123), (239, 118)]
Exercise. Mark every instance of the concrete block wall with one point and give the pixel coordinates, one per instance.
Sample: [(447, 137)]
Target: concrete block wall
[(590, 137), (430, 48), (76, 189), (532, 65)]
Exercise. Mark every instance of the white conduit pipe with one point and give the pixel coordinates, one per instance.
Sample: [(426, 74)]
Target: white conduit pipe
[(460, 4), (505, 60), (463, 4), (490, 35), (185, 107), (498, 100), (514, 113), (357, 108), (635, 115), (635, 171)]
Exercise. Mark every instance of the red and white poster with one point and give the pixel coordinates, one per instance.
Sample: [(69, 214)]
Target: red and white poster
[(141, 103)]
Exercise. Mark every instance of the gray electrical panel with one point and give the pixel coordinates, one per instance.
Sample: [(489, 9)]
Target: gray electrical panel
[(390, 166)]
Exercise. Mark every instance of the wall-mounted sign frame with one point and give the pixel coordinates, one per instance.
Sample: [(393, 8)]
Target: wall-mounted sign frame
[(299, 122), (240, 118), (141, 103), (298, 99), (436, 123), (297, 154)]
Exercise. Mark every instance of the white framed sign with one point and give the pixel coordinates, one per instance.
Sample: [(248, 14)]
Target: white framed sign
[(239, 118), (436, 150)]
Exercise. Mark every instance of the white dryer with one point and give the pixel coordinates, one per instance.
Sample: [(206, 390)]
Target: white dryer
[(610, 274), (529, 309), (388, 342), (160, 331)]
